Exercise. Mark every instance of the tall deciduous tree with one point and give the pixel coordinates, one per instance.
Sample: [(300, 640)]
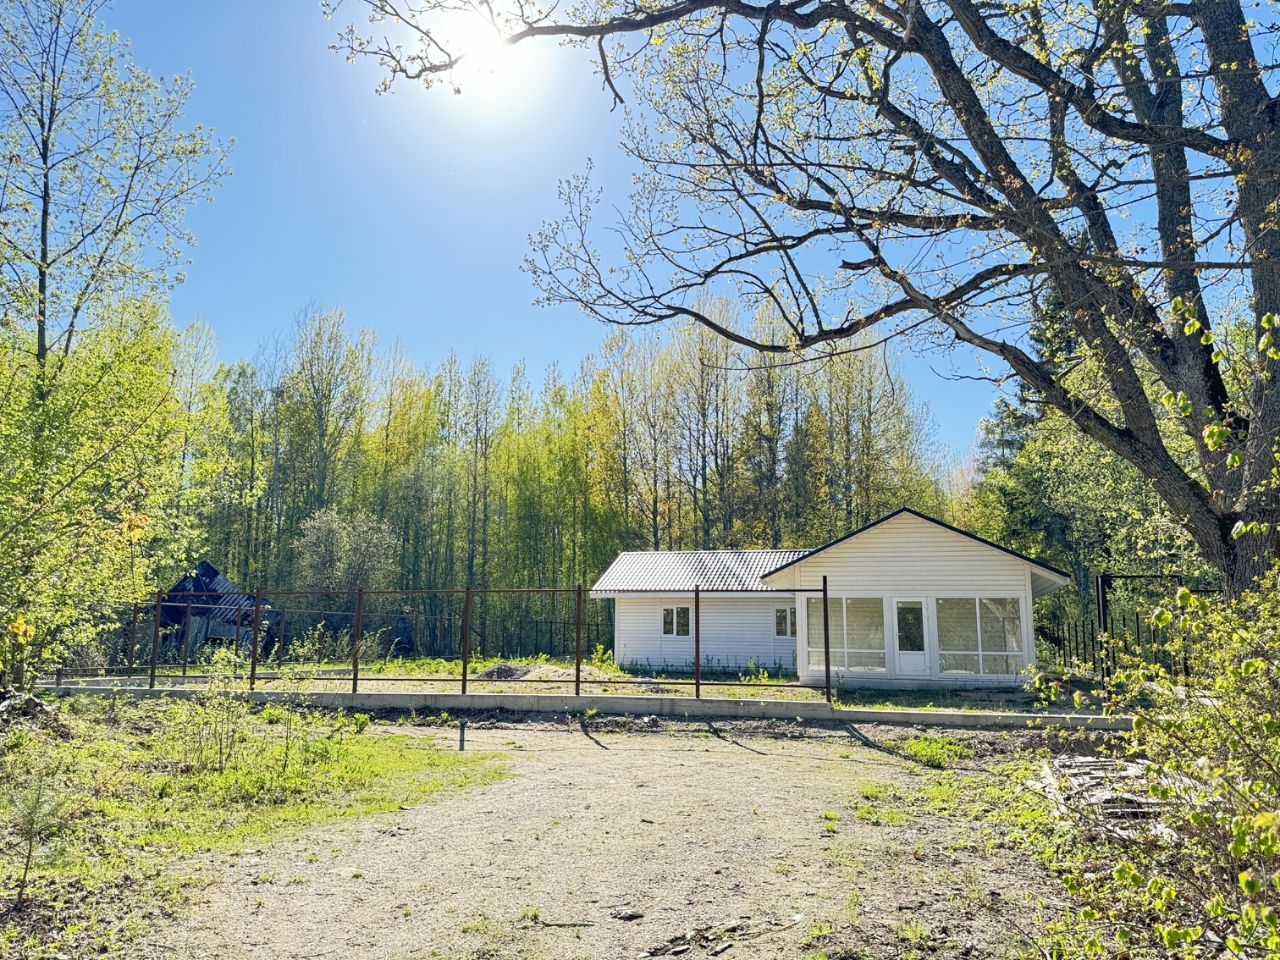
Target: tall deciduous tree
[(934, 164), (97, 170)]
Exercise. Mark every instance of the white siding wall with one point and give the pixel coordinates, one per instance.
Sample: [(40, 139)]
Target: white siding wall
[(907, 557), (735, 631)]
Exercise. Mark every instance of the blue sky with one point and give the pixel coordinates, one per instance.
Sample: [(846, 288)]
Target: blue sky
[(410, 210)]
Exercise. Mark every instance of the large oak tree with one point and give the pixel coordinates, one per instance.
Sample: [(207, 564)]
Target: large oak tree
[(942, 167)]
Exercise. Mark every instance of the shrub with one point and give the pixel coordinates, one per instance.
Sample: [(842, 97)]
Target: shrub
[(754, 673), (1204, 880), (603, 661)]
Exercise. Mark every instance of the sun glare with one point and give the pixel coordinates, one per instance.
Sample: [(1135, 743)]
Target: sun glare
[(488, 66)]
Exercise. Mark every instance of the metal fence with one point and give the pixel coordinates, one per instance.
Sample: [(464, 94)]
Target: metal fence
[(337, 635), (1100, 650)]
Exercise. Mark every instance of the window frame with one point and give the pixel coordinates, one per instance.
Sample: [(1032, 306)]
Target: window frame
[(791, 622), (979, 652), (675, 609), (844, 649)]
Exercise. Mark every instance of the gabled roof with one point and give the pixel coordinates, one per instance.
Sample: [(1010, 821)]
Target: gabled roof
[(805, 555), (210, 593), (679, 571)]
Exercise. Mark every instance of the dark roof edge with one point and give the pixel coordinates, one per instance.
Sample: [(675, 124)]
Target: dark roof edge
[(933, 520)]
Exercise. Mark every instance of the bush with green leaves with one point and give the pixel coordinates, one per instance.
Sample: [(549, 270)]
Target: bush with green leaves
[(1202, 878)]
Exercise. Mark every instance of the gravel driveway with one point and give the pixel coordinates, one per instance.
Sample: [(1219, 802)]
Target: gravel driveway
[(622, 845)]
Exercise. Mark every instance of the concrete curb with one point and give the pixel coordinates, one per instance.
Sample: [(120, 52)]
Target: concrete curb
[(672, 707)]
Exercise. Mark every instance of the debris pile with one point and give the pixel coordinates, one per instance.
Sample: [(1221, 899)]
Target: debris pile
[(1111, 793), (20, 708), (505, 671), (712, 941)]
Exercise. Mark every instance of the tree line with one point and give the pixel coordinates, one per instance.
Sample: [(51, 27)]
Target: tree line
[(472, 476)]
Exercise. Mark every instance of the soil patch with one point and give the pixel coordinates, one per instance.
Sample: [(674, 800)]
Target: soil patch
[(623, 844), (505, 671)]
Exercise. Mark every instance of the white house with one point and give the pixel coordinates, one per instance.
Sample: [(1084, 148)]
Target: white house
[(911, 601)]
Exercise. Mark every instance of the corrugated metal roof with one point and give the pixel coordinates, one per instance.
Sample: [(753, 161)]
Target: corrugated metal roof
[(210, 593), (682, 570)]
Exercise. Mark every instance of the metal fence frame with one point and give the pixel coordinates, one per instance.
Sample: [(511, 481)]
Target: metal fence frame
[(468, 593)]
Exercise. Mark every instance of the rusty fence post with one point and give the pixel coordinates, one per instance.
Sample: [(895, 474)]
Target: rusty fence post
[(57, 676), (826, 638), (577, 644), (257, 632), (132, 657), (155, 642), (466, 635), (357, 633), (186, 640), (280, 638), (697, 641)]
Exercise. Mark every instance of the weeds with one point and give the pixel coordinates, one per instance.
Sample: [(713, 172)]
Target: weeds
[(603, 661), (935, 750)]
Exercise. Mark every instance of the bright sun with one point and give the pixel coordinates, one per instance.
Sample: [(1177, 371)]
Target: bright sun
[(488, 65)]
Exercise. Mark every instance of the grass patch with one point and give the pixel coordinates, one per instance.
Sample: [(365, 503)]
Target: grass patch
[(144, 784), (879, 804), (1013, 811), (934, 750), (880, 816)]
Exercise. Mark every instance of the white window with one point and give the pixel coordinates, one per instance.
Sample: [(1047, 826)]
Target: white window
[(980, 635), (857, 633), (675, 621), (784, 621)]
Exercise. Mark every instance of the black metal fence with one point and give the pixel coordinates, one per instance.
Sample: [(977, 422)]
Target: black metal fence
[(1100, 650), (181, 629)]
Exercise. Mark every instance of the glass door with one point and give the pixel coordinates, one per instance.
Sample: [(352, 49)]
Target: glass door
[(909, 633)]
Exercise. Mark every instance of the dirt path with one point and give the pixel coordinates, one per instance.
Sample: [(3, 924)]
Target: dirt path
[(613, 845)]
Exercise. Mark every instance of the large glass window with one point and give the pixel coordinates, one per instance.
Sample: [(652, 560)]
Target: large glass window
[(979, 635), (957, 619), (857, 632), (1001, 635)]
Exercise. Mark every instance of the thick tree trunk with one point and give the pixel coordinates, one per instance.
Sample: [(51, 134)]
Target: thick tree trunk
[(1239, 560)]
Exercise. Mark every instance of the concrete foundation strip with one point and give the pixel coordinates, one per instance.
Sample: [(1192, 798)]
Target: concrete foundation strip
[(670, 707)]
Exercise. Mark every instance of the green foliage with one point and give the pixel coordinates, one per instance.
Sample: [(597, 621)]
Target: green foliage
[(339, 553), (755, 673), (1203, 878), (88, 513), (321, 644), (602, 660), (100, 173), (935, 750)]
